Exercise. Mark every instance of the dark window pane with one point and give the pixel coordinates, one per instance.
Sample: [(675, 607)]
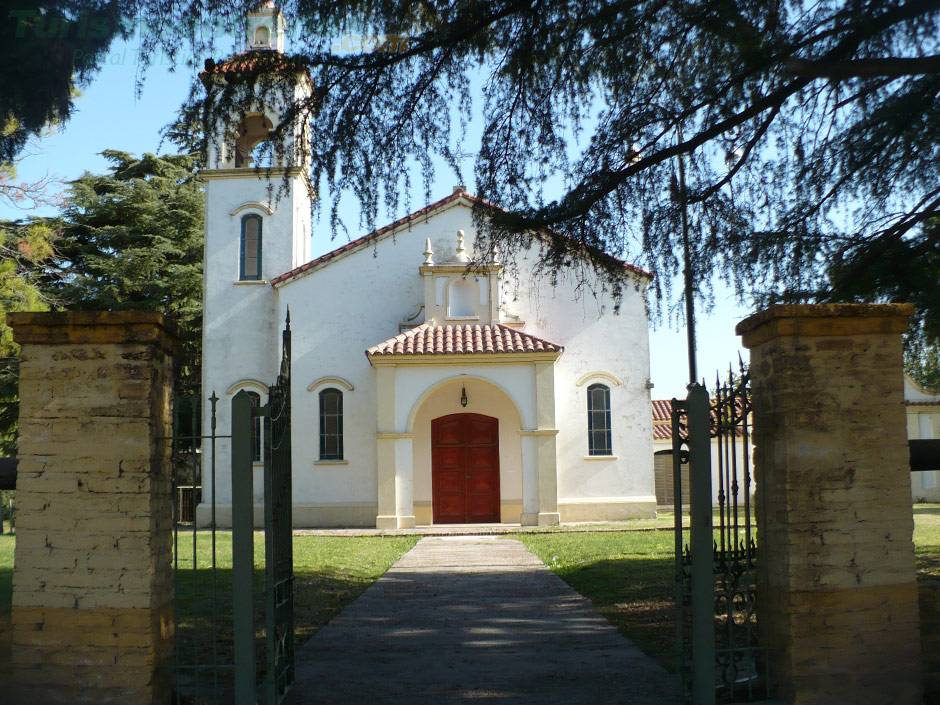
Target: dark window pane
[(330, 403), (250, 248), (599, 435), (331, 424)]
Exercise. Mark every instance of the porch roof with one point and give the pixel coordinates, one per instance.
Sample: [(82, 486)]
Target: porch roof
[(443, 340)]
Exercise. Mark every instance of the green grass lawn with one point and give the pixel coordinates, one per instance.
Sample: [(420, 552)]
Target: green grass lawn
[(7, 542), (927, 541), (628, 575)]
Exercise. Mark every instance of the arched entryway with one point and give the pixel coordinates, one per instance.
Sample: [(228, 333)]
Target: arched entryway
[(465, 469)]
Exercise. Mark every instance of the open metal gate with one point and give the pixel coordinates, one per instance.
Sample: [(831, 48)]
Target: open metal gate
[(278, 556), (218, 607), (278, 535), (718, 637)]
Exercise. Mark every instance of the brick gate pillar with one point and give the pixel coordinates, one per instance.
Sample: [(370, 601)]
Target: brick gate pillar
[(92, 582), (837, 589)]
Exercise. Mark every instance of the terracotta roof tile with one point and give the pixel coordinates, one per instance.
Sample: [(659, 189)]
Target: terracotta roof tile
[(662, 410), (251, 62), (462, 340), (662, 419), (662, 431), (417, 215)]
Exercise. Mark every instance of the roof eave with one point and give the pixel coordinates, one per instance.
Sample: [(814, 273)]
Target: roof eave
[(392, 359)]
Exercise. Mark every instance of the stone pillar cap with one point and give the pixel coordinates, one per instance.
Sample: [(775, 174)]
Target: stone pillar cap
[(93, 327), (823, 320)]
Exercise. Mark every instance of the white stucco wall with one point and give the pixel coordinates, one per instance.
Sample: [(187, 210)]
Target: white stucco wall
[(241, 323), (596, 340)]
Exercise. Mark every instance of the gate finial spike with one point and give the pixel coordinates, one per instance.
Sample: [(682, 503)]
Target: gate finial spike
[(288, 316)]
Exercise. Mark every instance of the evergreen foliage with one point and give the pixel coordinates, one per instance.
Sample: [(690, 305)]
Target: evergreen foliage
[(50, 48), (24, 249), (132, 239)]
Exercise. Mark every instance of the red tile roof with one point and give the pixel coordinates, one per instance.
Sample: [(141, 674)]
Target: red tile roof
[(662, 410), (462, 340), (662, 431), (425, 212), (662, 419), (251, 62)]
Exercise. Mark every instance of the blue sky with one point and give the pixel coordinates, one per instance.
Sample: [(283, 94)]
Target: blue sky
[(111, 115)]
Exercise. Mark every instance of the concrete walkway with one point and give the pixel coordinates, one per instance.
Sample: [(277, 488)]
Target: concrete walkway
[(474, 619)]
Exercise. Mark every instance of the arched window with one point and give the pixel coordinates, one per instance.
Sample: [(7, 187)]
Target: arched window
[(262, 36), (598, 407), (250, 260), (331, 424), (252, 130), (256, 438)]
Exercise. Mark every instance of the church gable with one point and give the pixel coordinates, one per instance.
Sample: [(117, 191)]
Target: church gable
[(458, 197)]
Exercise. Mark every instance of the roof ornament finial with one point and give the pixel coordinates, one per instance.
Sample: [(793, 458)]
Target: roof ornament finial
[(462, 255), (428, 253), (494, 256)]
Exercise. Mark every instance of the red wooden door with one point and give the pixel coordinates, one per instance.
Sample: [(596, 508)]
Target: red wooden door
[(465, 469)]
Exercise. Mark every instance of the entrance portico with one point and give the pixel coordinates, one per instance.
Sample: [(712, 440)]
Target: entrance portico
[(514, 387)]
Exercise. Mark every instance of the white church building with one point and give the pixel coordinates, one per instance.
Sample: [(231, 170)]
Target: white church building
[(424, 391)]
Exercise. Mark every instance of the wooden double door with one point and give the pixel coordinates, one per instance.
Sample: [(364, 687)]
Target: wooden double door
[(465, 469)]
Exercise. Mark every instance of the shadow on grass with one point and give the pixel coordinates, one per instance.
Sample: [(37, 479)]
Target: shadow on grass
[(636, 596), (204, 614)]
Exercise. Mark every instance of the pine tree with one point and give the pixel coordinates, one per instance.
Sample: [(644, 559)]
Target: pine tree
[(132, 239)]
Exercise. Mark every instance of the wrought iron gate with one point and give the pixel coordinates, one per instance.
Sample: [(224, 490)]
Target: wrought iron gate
[(278, 535), (217, 605), (278, 556), (718, 637)]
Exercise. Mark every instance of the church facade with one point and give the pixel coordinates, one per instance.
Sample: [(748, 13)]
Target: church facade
[(425, 391)]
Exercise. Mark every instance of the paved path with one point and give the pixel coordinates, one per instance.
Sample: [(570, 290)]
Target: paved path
[(474, 619)]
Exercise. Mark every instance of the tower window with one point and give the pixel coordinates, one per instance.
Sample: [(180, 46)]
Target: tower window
[(250, 260), (598, 408), (331, 424), (262, 36)]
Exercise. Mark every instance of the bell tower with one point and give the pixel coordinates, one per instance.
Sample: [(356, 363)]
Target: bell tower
[(258, 194)]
